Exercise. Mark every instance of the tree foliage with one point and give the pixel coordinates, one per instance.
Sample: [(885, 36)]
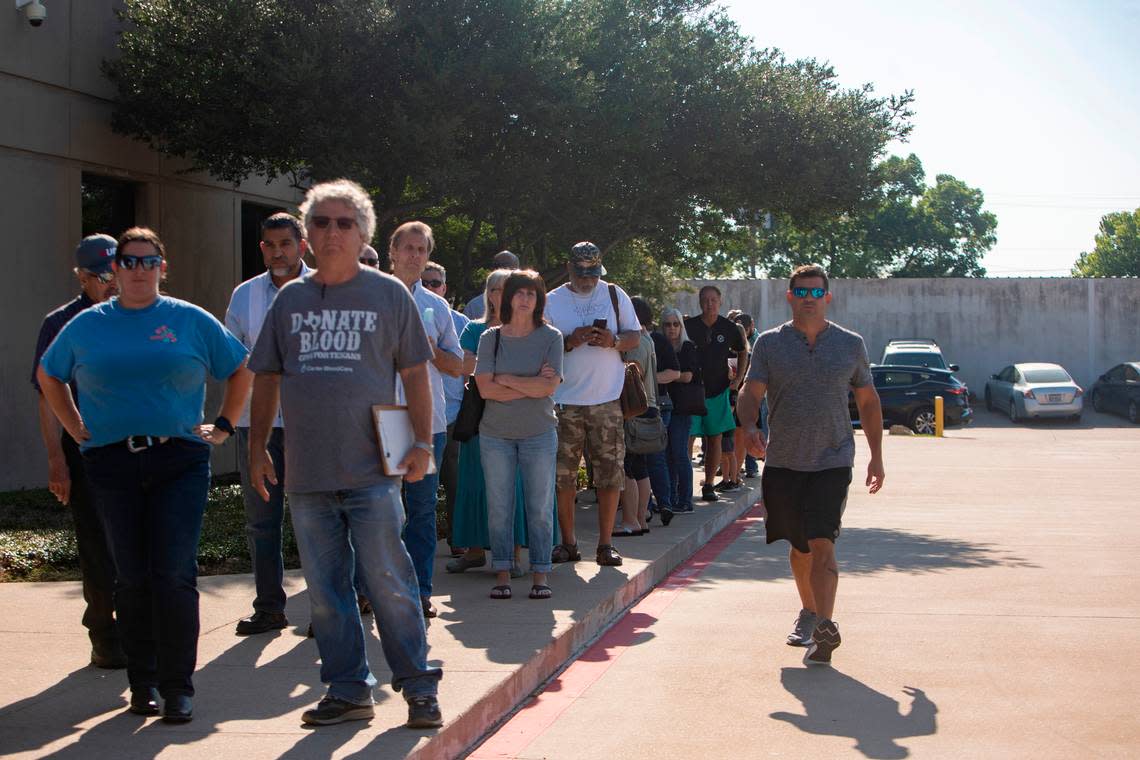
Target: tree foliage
[(905, 228), (1116, 252), (538, 122)]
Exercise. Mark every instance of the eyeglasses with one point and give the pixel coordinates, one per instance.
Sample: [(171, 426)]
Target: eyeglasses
[(343, 223), (803, 292), (670, 324), (369, 261), (146, 262), (432, 283), (103, 277)]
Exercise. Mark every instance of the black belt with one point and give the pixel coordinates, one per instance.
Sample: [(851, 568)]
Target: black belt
[(137, 443)]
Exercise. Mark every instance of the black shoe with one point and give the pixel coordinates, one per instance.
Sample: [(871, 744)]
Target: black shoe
[(429, 609), (144, 701), (108, 656), (685, 510), (363, 604), (260, 622), (708, 493), (178, 708), (728, 486), (331, 710), (423, 712), (309, 631), (666, 516)]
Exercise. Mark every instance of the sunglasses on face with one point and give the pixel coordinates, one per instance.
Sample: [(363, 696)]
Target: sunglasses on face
[(146, 262), (103, 277), (432, 283), (670, 324), (370, 262), (343, 223), (803, 292)]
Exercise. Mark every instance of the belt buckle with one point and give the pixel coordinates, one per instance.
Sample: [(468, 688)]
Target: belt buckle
[(131, 447)]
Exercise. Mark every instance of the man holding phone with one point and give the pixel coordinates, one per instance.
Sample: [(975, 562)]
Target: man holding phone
[(589, 410)]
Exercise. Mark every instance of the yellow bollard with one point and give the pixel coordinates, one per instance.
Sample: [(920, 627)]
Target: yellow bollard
[(938, 416)]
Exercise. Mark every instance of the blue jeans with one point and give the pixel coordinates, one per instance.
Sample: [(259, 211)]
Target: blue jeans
[(151, 504), (659, 480), (503, 459), (263, 521), (420, 500), (680, 466), (373, 517)]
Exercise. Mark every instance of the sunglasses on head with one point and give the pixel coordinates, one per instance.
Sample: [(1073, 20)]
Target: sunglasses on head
[(432, 283), (803, 292), (103, 277), (343, 223), (146, 262)]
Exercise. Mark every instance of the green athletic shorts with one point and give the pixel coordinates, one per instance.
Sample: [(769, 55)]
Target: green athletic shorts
[(718, 420)]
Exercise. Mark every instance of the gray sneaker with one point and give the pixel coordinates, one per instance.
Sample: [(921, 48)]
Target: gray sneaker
[(801, 633), (824, 640)]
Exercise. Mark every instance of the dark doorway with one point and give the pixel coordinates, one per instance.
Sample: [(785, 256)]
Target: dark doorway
[(252, 215), (108, 204)]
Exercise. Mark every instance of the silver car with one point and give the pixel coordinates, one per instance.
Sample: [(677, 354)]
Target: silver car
[(1034, 390)]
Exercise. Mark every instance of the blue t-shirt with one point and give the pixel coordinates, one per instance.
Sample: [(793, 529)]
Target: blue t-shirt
[(142, 371)]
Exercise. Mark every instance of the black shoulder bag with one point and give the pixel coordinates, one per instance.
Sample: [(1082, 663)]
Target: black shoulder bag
[(471, 408)]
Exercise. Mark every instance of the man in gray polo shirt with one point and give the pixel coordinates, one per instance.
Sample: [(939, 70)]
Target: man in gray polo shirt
[(806, 368)]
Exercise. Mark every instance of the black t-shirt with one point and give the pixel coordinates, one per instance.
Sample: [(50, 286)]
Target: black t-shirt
[(666, 359), (715, 346)]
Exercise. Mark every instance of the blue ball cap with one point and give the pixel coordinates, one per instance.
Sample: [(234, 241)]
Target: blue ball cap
[(95, 253)]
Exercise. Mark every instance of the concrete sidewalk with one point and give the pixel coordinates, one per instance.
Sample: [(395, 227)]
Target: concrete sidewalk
[(252, 691)]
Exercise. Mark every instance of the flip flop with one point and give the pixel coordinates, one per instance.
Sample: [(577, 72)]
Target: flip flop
[(501, 592), (540, 592)]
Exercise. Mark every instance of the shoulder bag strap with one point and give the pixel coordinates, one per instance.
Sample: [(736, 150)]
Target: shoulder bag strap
[(617, 311)]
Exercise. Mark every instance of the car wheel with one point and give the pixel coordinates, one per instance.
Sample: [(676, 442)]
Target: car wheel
[(1012, 410), (1098, 405), (1133, 413), (989, 401), (922, 421)]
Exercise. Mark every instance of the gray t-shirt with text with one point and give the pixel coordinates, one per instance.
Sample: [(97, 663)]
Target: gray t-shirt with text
[(809, 424), (524, 417), (338, 349)]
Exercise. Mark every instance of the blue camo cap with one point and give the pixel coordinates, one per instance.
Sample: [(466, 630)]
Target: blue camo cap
[(586, 258), (95, 253)]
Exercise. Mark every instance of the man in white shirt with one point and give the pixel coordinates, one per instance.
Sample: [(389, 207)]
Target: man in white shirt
[(409, 249), (283, 245), (588, 405)]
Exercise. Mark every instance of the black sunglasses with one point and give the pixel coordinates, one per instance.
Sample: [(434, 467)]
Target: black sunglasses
[(369, 261), (815, 292), (103, 277), (146, 262), (432, 283), (343, 223)]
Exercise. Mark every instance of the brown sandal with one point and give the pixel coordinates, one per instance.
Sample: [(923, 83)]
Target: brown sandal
[(608, 556), (565, 553)]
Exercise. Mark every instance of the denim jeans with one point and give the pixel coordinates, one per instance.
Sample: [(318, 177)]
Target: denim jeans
[(263, 521), (680, 466), (659, 480), (420, 499), (373, 517), (151, 504), (503, 459), (95, 565)]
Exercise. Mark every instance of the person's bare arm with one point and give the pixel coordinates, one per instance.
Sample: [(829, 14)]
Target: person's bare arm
[(748, 410), (447, 362), (871, 420), (491, 389), (233, 399), (741, 369), (666, 376), (539, 386), (59, 478), (417, 389), (59, 400), (262, 411), (468, 363)]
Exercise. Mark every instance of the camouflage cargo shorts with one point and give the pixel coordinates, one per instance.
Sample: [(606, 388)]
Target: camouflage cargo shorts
[(601, 428)]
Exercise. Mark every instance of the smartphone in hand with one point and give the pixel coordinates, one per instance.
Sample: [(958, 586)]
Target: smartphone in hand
[(600, 324)]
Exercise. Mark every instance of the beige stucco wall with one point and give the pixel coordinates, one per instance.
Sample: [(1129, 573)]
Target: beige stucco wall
[(54, 125)]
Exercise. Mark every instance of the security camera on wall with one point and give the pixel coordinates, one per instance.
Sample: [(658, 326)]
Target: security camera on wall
[(34, 11)]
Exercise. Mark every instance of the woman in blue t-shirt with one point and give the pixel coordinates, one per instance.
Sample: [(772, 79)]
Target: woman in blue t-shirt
[(139, 363)]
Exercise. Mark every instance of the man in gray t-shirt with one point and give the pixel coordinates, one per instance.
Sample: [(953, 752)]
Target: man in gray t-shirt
[(331, 346), (806, 368)]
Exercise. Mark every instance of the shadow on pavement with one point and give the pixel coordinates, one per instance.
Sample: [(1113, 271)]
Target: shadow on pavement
[(1089, 419), (837, 705)]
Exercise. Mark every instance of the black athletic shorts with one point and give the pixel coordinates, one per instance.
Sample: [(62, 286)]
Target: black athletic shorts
[(804, 505)]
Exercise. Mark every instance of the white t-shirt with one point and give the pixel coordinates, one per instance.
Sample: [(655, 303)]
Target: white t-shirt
[(590, 374)]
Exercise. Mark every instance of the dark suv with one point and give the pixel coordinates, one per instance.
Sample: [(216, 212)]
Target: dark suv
[(907, 394)]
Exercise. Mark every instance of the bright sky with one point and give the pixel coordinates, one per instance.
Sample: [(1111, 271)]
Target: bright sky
[(1035, 103)]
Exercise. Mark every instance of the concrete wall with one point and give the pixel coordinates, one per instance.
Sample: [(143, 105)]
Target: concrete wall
[(1086, 326), (55, 109)]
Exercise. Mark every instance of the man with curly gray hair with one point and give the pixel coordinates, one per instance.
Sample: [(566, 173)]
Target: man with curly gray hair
[(333, 343)]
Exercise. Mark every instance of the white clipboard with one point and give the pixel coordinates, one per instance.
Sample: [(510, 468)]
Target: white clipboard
[(394, 432)]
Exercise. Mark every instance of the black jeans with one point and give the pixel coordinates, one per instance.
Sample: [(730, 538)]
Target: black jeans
[(152, 504), (94, 557)]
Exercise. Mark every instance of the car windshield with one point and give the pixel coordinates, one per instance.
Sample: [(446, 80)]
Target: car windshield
[(916, 359), (1052, 375)]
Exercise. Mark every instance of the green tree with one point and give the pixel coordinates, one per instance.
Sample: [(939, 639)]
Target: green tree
[(1117, 249)]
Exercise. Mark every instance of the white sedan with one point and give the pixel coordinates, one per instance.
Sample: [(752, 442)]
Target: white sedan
[(1034, 390)]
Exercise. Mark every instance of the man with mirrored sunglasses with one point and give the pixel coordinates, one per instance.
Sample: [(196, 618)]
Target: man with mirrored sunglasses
[(67, 478), (805, 368)]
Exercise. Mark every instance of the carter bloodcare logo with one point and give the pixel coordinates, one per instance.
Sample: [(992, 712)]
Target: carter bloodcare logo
[(165, 334)]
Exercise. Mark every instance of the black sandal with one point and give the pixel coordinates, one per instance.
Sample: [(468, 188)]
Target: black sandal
[(501, 592), (565, 553), (540, 592), (607, 556)]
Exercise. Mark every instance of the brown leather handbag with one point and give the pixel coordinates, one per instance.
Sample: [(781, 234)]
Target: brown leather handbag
[(634, 399)]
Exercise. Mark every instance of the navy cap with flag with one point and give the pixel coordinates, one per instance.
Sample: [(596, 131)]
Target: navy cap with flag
[(95, 253)]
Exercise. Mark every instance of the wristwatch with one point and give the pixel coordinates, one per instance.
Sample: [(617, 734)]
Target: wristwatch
[(425, 446), (224, 424)]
